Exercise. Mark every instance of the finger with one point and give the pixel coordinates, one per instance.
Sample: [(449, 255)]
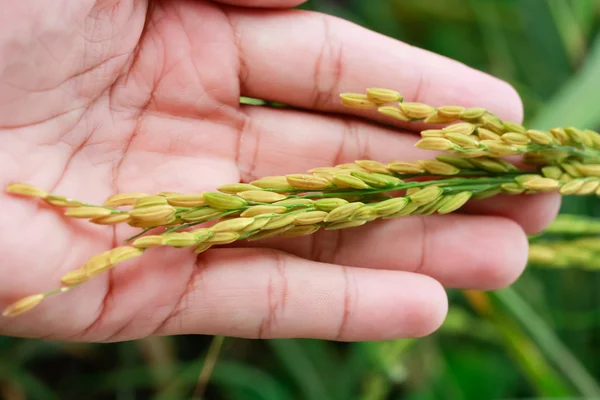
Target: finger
[(267, 294), (306, 59), (280, 142), (459, 251), (533, 212), (285, 141), (263, 3)]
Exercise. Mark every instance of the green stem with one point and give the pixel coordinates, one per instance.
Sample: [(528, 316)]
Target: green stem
[(548, 342), (452, 181)]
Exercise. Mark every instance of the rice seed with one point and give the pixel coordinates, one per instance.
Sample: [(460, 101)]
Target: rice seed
[(150, 201), (486, 134), (279, 222), (202, 234), (403, 167), (571, 170), (325, 175), (593, 136), (577, 136), (472, 114), (111, 219), (571, 187), (458, 162), (432, 133), (153, 213), (329, 204), (498, 148), (373, 166), (371, 179), (294, 203), (553, 172), (87, 212), (455, 202), (23, 305), (560, 135), (486, 193), (436, 118), (589, 169), (260, 210), (492, 123), (307, 182), (466, 142), (439, 168), (540, 184), (589, 187), (222, 201), (393, 112), (426, 195), (515, 138), (433, 143), (356, 100), (348, 181), (180, 239), (416, 110), (145, 242), (366, 213), (475, 154), (350, 166), (513, 127), (232, 225), (310, 217), (273, 182), (74, 277), (201, 214), (539, 137), (25, 189), (61, 201), (270, 233), (512, 188), (123, 253), (541, 253), (391, 206), (430, 208), (564, 177), (412, 190), (380, 95), (235, 188), (258, 223), (343, 212), (300, 231), (463, 128), (450, 111), (408, 210), (344, 225), (261, 196), (222, 238), (124, 199), (329, 170), (490, 164), (187, 200), (97, 264), (202, 247)]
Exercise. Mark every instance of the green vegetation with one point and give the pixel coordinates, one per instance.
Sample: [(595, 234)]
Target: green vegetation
[(537, 339)]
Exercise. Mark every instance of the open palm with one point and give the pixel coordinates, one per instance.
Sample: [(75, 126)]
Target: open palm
[(106, 96)]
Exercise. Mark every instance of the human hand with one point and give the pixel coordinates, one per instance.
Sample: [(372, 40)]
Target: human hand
[(99, 97)]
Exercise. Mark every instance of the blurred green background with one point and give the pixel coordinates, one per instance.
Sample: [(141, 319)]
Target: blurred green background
[(538, 339)]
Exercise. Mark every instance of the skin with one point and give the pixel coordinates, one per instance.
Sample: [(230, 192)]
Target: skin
[(99, 97)]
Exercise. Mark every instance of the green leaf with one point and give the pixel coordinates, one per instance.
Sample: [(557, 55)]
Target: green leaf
[(301, 368), (577, 102), (551, 346)]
